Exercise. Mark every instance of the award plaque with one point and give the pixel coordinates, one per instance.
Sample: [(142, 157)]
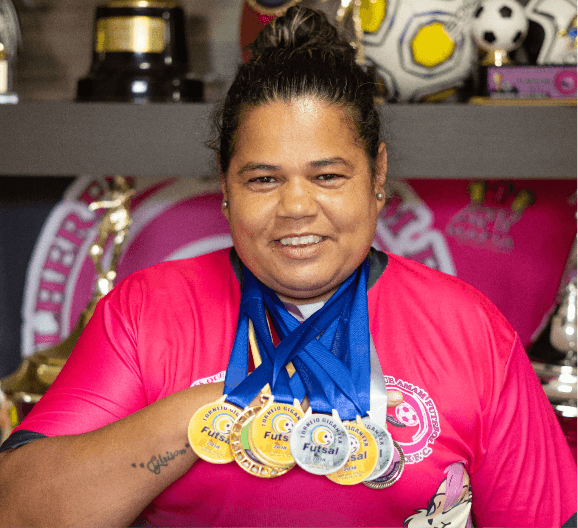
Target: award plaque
[(530, 82), (139, 54)]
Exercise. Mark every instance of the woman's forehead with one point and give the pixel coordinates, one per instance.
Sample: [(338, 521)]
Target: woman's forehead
[(297, 116)]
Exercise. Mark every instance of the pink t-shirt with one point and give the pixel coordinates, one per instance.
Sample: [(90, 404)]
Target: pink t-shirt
[(481, 440)]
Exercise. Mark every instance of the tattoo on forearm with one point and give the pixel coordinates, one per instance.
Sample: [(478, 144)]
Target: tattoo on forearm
[(155, 464)]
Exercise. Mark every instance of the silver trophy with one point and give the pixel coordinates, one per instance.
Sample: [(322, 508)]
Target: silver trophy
[(553, 353)]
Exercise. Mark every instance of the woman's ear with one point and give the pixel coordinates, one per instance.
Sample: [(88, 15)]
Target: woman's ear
[(225, 203), (380, 172)]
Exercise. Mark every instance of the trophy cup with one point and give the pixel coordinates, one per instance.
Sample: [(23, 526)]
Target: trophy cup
[(9, 39), (36, 373), (139, 55)]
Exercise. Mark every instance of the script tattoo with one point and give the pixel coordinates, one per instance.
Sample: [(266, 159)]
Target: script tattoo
[(155, 464)]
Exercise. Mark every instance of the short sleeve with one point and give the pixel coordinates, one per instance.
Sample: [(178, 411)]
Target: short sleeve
[(528, 475), (101, 380)]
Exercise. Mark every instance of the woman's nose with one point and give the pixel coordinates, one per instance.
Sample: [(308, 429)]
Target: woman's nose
[(298, 199)]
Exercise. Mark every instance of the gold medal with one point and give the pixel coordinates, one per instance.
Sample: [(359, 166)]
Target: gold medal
[(241, 448), (270, 431), (209, 431), (393, 472), (363, 454)]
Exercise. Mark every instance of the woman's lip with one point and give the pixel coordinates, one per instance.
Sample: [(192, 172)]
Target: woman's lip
[(304, 251)]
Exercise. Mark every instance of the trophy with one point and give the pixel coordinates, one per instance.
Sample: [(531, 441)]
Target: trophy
[(9, 39), (500, 27), (139, 55), (553, 353), (36, 373)]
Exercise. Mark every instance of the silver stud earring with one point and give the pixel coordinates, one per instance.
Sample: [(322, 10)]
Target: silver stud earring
[(380, 196), (225, 204)]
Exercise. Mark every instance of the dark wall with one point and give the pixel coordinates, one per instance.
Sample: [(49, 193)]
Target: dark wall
[(25, 203)]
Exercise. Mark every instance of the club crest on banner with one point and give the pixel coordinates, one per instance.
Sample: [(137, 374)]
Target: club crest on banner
[(405, 227), (172, 218)]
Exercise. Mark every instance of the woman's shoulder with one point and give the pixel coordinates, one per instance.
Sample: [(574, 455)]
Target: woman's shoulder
[(210, 267), (430, 282), (209, 275), (415, 287)]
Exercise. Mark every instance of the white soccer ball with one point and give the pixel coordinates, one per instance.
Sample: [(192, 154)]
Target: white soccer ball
[(555, 35), (419, 47), (500, 25), (406, 414)]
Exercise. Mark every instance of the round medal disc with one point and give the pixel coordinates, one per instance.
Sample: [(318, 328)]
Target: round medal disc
[(393, 472), (384, 444), (270, 431), (209, 431), (242, 450), (319, 443), (363, 455)]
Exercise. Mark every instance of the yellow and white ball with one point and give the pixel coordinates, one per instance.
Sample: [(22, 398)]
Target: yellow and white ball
[(419, 47)]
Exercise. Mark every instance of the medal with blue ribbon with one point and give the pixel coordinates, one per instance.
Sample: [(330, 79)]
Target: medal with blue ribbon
[(327, 358)]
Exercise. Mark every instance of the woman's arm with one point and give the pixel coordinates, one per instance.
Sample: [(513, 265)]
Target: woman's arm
[(105, 477)]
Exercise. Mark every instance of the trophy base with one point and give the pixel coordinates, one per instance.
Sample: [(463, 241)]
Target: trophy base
[(140, 89), (8, 98), (528, 82)]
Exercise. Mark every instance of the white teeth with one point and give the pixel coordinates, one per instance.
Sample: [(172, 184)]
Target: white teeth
[(301, 241)]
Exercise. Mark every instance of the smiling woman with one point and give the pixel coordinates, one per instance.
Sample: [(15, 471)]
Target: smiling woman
[(222, 390)]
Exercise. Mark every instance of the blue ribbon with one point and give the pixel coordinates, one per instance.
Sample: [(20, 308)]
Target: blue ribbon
[(330, 350)]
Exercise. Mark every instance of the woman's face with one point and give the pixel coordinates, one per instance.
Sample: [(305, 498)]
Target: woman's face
[(302, 204)]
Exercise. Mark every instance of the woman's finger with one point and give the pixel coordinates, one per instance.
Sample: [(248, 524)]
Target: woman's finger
[(394, 398)]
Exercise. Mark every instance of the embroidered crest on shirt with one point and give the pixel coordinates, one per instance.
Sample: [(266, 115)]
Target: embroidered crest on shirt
[(450, 505), (414, 424)]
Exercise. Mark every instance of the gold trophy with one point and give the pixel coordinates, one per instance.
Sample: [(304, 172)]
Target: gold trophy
[(36, 373), (139, 55)]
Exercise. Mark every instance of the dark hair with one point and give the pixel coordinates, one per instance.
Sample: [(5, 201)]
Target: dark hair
[(299, 54)]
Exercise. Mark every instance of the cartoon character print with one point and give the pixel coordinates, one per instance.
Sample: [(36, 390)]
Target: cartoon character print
[(451, 504)]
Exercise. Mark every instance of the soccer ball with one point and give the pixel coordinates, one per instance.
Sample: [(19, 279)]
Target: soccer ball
[(500, 25), (416, 47), (406, 414), (419, 47), (552, 34)]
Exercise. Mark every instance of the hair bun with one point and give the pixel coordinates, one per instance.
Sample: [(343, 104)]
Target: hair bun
[(300, 27)]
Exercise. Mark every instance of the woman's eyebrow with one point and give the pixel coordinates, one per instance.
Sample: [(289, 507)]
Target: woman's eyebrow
[(330, 161), (251, 166)]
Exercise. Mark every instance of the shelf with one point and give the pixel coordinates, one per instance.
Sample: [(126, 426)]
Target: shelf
[(426, 141)]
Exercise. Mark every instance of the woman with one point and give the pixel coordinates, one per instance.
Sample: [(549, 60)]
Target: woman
[(303, 174)]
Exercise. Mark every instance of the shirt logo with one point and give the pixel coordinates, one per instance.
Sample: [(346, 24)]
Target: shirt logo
[(414, 424)]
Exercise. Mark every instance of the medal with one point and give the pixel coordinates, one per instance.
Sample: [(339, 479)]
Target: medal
[(363, 455), (385, 447), (270, 431), (209, 431), (319, 443), (241, 447), (393, 472)]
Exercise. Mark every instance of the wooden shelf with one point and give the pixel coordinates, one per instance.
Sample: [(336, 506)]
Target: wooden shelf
[(427, 141)]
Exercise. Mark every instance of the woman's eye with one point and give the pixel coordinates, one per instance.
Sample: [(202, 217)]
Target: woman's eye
[(328, 177), (262, 179)]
